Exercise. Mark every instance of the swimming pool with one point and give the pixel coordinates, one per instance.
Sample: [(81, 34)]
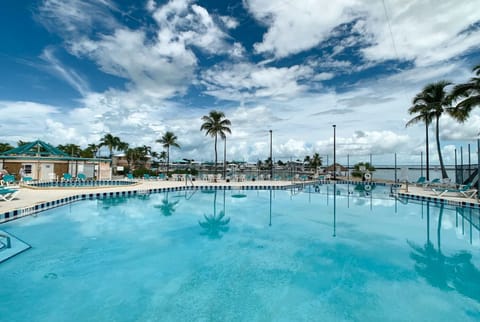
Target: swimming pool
[(336, 253)]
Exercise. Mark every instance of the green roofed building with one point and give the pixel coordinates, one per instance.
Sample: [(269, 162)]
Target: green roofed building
[(42, 161)]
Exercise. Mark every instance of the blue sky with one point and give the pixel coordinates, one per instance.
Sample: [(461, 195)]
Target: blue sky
[(73, 71)]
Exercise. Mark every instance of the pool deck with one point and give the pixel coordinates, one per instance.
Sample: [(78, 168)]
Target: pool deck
[(28, 197)]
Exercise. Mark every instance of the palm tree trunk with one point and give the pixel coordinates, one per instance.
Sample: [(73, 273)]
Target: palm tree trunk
[(442, 166), (168, 158), (427, 154)]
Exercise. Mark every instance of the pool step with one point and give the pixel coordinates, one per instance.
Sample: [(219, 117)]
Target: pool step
[(10, 246)]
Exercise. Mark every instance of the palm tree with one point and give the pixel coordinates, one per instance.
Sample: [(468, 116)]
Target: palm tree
[(423, 115), (20, 143), (111, 142), (315, 161), (216, 124), (168, 139), (469, 94), (436, 101), (72, 149), (93, 148)]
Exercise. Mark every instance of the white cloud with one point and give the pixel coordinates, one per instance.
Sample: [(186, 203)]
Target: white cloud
[(69, 75), (245, 81), (294, 26), (76, 16), (301, 25), (158, 69)]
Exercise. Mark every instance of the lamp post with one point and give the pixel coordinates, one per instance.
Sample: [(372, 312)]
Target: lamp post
[(225, 158), (271, 159), (334, 153)]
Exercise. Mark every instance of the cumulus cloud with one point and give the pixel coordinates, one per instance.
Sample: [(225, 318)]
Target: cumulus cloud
[(247, 81)]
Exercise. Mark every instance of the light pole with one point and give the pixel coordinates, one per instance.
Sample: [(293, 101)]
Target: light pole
[(225, 158), (334, 153), (271, 159)]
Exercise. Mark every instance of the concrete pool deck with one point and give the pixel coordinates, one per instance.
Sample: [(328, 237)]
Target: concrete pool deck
[(28, 197)]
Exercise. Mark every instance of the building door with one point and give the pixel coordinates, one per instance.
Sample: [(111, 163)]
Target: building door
[(47, 172)]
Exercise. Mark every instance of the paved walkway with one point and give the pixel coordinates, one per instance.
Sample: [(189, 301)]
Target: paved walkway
[(29, 196)]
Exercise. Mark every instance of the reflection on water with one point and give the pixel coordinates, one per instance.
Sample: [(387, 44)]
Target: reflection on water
[(214, 225), (167, 208)]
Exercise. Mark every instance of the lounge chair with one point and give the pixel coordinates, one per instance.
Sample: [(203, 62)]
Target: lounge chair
[(465, 191), (420, 181), (27, 179), (129, 176), (8, 179), (434, 183), (8, 194), (81, 177), (146, 176), (67, 177)]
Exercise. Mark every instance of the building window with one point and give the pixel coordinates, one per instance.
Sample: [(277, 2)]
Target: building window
[(28, 169)]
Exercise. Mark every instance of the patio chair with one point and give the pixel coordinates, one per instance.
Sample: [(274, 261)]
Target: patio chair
[(129, 176), (27, 179), (8, 179), (7, 194), (434, 183), (465, 191), (420, 181), (67, 177), (81, 177)]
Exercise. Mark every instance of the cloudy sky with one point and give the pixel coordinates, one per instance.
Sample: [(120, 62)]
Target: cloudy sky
[(73, 71)]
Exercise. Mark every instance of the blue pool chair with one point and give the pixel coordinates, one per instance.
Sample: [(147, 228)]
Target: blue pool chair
[(7, 194), (81, 177), (420, 181), (8, 179), (129, 176), (67, 177)]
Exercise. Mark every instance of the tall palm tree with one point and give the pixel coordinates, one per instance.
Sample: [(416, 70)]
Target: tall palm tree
[(111, 142), (315, 161), (215, 124), (168, 139), (468, 94), (423, 114), (437, 102)]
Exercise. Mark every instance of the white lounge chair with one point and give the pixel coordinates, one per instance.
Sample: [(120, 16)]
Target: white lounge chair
[(465, 191), (8, 194)]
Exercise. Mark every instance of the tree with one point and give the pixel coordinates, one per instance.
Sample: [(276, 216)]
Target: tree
[(168, 139), (436, 101), (215, 124), (111, 142), (71, 149), (357, 172), (90, 151), (5, 147), (468, 94), (423, 115), (315, 161)]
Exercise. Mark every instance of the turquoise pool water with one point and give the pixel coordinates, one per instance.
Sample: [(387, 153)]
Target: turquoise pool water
[(327, 254)]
